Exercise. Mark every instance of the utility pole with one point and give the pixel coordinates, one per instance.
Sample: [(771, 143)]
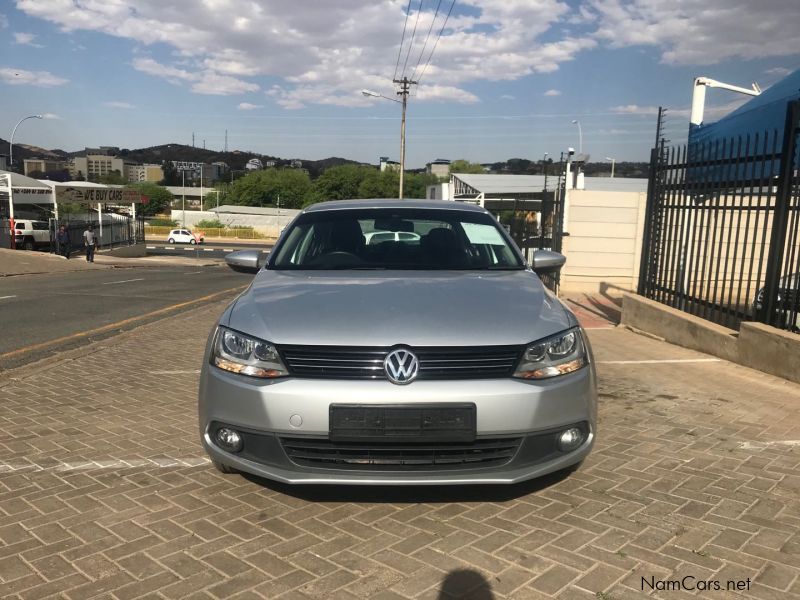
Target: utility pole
[(226, 140), (405, 87)]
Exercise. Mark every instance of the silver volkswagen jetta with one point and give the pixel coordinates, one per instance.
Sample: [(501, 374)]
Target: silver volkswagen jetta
[(432, 355)]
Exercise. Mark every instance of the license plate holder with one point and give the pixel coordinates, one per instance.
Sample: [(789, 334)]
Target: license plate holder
[(402, 422)]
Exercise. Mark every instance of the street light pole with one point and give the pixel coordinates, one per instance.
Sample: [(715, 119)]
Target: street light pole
[(405, 87), (580, 135), (183, 202), (613, 160), (11, 143)]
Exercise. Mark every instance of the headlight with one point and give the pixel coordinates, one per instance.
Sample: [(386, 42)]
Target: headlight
[(245, 355), (557, 355)]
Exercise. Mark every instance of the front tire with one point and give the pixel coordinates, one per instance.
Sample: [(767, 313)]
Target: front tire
[(28, 245), (224, 469), (171, 241), (192, 242)]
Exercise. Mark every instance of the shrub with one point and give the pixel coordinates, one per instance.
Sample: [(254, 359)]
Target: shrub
[(210, 224)]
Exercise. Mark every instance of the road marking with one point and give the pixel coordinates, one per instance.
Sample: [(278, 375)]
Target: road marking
[(123, 281), (208, 249), (193, 272), (763, 445), (92, 465), (119, 324), (150, 247), (659, 361), (6, 297), (227, 249), (185, 372), (169, 248), (188, 249)]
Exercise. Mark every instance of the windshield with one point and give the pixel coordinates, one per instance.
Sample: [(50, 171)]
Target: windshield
[(410, 239)]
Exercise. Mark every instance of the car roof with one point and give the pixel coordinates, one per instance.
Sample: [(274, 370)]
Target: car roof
[(394, 203)]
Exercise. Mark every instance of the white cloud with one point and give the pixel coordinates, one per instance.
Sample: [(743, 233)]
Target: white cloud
[(690, 32), (508, 97), (34, 78), (117, 104), (26, 39), (778, 71), (321, 52), (552, 93), (202, 82), (249, 106), (635, 109)]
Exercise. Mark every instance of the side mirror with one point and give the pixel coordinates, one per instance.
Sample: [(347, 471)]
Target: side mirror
[(547, 261), (244, 261)]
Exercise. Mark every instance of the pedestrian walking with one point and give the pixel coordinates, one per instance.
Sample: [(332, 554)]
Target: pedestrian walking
[(90, 240), (62, 237)]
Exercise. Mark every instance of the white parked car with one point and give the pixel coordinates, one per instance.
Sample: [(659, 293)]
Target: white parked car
[(31, 235), (376, 237), (184, 236)]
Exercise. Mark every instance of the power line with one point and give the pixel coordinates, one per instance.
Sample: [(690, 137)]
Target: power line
[(427, 37), (436, 43), (402, 39), (411, 44)]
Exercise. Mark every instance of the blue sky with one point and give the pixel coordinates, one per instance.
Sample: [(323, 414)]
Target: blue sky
[(283, 76)]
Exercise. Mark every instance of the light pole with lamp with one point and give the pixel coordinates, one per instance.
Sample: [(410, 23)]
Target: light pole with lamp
[(613, 161), (405, 87), (11, 143), (580, 135)]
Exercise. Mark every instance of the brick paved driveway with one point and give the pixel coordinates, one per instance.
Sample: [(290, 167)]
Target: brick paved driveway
[(694, 474)]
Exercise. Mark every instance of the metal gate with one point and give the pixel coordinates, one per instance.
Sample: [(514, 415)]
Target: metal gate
[(722, 228), (541, 230)]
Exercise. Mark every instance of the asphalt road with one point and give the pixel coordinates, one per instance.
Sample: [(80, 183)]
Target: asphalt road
[(210, 250), (70, 308)]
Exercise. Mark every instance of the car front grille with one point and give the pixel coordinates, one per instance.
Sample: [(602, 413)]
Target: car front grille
[(323, 453), (352, 362)]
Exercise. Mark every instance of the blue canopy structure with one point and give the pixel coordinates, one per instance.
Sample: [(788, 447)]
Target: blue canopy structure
[(766, 112)]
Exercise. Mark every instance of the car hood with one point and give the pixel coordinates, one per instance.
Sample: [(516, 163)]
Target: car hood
[(384, 308)]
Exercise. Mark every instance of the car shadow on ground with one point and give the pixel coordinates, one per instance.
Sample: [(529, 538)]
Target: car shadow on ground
[(411, 494)]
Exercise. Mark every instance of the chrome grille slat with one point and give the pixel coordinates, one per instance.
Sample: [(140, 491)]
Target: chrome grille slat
[(358, 362)]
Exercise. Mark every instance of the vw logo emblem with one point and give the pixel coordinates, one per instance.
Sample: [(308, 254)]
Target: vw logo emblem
[(401, 366)]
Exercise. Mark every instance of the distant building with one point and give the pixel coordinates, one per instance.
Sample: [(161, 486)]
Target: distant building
[(439, 167), (269, 164), (390, 165), (254, 164), (43, 165), (296, 164), (140, 173), (95, 166)]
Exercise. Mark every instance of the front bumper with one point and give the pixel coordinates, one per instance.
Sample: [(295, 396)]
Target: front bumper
[(270, 412)]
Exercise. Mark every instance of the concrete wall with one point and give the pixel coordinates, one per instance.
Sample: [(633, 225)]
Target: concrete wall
[(755, 345), (605, 241), (269, 225)]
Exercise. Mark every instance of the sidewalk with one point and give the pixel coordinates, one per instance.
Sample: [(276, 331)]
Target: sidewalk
[(20, 262)]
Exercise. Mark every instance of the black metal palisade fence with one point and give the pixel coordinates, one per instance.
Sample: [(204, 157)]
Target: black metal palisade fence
[(722, 228)]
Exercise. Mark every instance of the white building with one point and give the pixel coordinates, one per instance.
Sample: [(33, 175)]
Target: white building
[(254, 164)]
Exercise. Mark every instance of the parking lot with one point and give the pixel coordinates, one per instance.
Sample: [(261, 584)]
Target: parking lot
[(105, 492)]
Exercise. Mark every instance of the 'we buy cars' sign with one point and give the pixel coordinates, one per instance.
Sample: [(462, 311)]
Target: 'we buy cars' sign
[(97, 195)]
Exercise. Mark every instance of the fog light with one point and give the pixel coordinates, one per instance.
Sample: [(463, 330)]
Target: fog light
[(570, 439), (228, 439)]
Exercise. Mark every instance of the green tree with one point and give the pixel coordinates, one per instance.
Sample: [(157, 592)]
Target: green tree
[(171, 174), (112, 178), (264, 188), (340, 183), (159, 198), (415, 185), (385, 184), (464, 166)]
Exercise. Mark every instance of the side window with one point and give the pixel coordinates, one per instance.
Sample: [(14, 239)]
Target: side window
[(41, 226)]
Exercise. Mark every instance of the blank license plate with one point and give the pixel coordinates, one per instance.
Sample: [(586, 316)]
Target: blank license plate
[(419, 423)]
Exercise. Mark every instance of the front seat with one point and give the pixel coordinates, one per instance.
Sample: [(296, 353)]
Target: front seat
[(442, 248), (346, 236)]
